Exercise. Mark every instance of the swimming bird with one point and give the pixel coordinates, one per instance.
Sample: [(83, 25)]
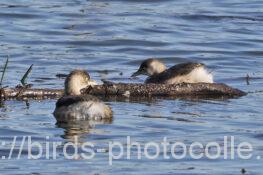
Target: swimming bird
[(75, 106), (181, 73)]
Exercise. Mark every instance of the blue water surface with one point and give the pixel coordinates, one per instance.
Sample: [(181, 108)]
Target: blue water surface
[(109, 39)]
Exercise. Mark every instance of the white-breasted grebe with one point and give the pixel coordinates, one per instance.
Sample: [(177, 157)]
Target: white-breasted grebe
[(75, 106), (184, 72)]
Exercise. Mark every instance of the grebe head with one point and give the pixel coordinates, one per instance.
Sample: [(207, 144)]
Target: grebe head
[(77, 80), (150, 67)]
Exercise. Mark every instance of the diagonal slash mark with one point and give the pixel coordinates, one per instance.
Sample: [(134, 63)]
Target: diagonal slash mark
[(12, 148), (21, 147)]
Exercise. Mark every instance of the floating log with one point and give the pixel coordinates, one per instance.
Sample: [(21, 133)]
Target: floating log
[(182, 90)]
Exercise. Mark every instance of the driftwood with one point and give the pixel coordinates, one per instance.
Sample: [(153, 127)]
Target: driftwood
[(131, 91)]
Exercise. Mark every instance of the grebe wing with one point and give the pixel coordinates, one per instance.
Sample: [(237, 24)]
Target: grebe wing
[(183, 69), (71, 99), (174, 71)]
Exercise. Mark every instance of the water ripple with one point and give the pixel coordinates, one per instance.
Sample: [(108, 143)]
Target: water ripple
[(110, 39)]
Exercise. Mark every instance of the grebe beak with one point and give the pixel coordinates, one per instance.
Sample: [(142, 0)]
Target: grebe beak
[(92, 83), (138, 72)]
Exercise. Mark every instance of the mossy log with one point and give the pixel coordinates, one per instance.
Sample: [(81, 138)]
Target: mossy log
[(131, 90)]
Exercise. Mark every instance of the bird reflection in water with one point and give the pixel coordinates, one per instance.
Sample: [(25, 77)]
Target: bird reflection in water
[(80, 128)]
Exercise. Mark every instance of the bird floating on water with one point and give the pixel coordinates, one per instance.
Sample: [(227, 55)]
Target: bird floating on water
[(181, 73), (75, 106)]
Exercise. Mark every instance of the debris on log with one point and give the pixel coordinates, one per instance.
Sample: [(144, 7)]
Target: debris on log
[(209, 90)]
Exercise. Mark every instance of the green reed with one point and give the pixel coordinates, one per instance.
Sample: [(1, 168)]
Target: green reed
[(4, 70), (23, 80)]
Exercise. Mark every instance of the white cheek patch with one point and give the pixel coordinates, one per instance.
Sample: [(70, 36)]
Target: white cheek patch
[(74, 86), (153, 68), (156, 68), (150, 71)]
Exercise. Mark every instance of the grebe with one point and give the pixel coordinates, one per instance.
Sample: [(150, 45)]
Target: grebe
[(184, 72), (74, 106)]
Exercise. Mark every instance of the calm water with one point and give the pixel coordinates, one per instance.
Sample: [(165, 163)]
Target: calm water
[(109, 39)]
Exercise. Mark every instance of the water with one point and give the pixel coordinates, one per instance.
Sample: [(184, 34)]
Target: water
[(110, 39)]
